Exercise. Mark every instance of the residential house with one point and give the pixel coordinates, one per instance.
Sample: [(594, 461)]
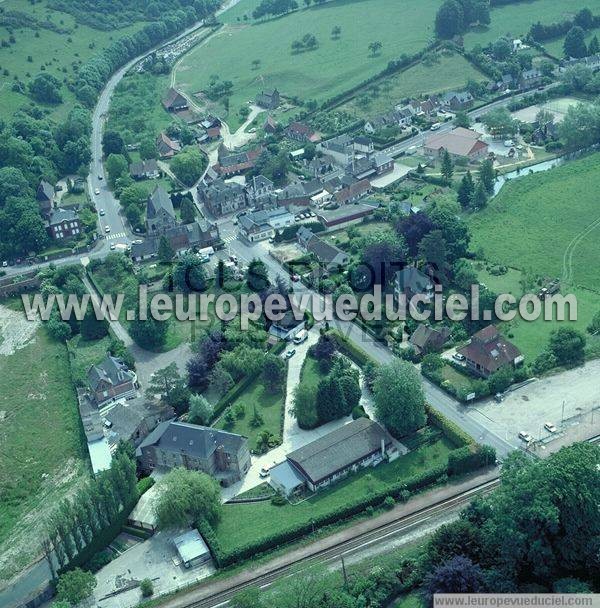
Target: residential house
[(300, 131), (340, 148), (45, 197), (287, 327), (259, 189), (145, 169), (357, 445), (260, 225), (329, 256), (530, 79), (172, 444), (293, 194), (363, 145), (456, 101), (592, 62), (270, 125), (221, 198), (353, 192), (459, 143), (167, 147), (411, 282), (111, 380), (63, 224), (426, 339), (174, 101), (134, 420), (269, 100), (182, 237), (234, 163), (396, 118), (488, 351), (320, 167)]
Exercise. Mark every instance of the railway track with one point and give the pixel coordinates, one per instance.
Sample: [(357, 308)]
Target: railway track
[(344, 548)]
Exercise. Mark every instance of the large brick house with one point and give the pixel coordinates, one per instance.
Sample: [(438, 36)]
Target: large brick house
[(222, 197), (111, 380), (63, 224), (459, 143), (179, 444)]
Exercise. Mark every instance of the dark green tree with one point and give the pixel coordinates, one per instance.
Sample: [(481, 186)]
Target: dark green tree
[(574, 44), (487, 175), (465, 190), (447, 168), (188, 210), (165, 251)]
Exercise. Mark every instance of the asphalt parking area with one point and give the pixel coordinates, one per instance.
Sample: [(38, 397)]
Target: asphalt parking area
[(570, 400)]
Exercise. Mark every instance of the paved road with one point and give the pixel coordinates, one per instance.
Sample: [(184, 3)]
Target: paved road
[(419, 139), (444, 403)]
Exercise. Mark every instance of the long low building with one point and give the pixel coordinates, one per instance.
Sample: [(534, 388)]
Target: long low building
[(459, 143), (356, 445)]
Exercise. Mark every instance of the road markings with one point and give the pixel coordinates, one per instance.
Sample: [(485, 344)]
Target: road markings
[(116, 235)]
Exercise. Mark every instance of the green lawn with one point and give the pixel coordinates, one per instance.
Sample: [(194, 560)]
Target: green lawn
[(532, 226), (55, 53), (335, 66), (268, 405), (454, 377), (442, 73), (43, 447), (247, 523), (515, 19)]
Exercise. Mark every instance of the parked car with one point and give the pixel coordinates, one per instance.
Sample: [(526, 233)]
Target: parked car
[(290, 353), (551, 428), (435, 126), (97, 191), (107, 229), (295, 278), (525, 436), (458, 357), (113, 246), (233, 258), (99, 176), (102, 211), (264, 472)]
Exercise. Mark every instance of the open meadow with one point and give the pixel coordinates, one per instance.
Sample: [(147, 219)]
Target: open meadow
[(42, 455), (441, 72), (514, 19), (547, 225), (38, 48), (333, 67)]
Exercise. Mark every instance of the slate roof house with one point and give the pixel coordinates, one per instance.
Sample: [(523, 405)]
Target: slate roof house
[(460, 142), (145, 169), (63, 224), (236, 162), (111, 380), (172, 444), (411, 282), (530, 78), (457, 100), (259, 189), (329, 256), (268, 99), (261, 225), (426, 339), (270, 125), (167, 147), (353, 192), (359, 444), (45, 197), (488, 351), (287, 327), (174, 101), (222, 197)]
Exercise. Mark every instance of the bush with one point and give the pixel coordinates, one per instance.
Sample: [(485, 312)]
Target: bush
[(450, 430), (389, 502), (143, 485), (278, 500), (359, 412), (146, 587), (470, 458)]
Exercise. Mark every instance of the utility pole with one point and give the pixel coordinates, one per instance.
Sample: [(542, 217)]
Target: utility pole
[(345, 573)]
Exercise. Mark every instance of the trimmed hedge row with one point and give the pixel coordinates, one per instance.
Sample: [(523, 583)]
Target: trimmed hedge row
[(144, 484), (358, 355), (397, 490), (470, 458), (451, 430)]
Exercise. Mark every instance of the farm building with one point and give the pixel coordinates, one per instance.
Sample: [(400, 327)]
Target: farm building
[(460, 142)]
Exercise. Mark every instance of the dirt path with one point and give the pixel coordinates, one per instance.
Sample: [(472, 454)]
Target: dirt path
[(567, 276)]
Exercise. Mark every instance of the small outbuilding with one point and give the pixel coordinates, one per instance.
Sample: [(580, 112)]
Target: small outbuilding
[(191, 548)]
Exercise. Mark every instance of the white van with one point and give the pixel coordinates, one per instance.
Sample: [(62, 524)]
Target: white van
[(300, 337)]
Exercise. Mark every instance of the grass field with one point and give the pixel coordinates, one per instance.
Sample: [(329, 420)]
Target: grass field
[(555, 47), (542, 224), (443, 73), (42, 445), (514, 19), (268, 405), (335, 66), (50, 51), (84, 354), (247, 523)]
